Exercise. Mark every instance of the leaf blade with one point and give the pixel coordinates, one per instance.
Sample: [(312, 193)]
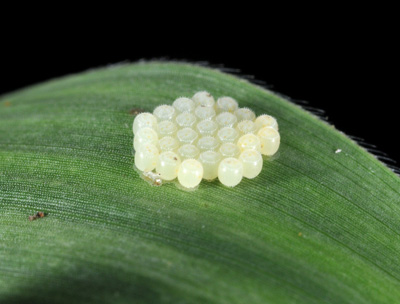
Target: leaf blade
[(314, 227)]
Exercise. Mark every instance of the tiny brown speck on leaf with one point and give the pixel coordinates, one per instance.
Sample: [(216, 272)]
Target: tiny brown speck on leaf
[(37, 215), (136, 111), (7, 104)]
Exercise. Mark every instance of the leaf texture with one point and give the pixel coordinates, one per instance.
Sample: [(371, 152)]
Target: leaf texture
[(315, 227)]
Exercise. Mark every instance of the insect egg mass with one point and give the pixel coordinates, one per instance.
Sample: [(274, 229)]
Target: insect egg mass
[(199, 138)]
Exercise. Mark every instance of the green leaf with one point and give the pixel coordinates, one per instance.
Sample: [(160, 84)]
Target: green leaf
[(315, 227)]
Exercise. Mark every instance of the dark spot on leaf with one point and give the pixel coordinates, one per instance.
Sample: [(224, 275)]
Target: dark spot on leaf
[(136, 111), (37, 215)]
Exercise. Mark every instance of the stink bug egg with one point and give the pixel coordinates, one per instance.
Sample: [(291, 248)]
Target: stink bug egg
[(210, 161), (185, 120), (190, 173), (166, 128), (227, 104), (245, 114), (230, 171), (207, 143), (226, 119), (188, 151), (164, 112), (144, 120), (207, 127), (145, 135), (168, 143), (204, 99), (187, 135), (249, 141), (168, 165), (266, 121), (146, 157), (204, 112), (246, 126), (229, 150), (228, 134), (270, 140), (184, 104), (252, 163)]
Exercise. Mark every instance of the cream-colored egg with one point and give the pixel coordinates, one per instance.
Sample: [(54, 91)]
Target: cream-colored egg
[(227, 134), (230, 171), (207, 143), (210, 161), (168, 143), (246, 126), (145, 135), (204, 99), (265, 120), (184, 104), (166, 128), (164, 112), (249, 141), (168, 165), (204, 113), (144, 120), (245, 114), (190, 173), (226, 119), (252, 163), (187, 135), (146, 157), (229, 150), (227, 104), (188, 151), (207, 127), (270, 140), (186, 119)]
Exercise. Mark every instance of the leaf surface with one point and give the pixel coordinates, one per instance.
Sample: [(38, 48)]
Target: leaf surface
[(315, 227)]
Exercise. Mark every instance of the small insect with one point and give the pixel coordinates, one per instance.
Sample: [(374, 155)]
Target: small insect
[(36, 216), (338, 151), (154, 178)]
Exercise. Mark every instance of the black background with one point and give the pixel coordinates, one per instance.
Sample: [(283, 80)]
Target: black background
[(349, 72)]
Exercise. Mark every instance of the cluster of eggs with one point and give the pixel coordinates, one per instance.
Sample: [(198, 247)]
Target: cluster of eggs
[(199, 138)]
